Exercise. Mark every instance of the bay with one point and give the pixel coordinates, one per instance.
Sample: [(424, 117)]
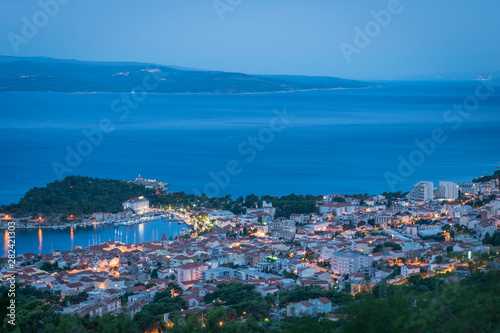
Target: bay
[(46, 240)]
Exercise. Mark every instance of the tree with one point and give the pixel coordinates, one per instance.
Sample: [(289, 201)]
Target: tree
[(50, 268), (379, 247), (239, 297), (154, 273)]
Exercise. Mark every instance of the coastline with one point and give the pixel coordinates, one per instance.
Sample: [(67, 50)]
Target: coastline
[(193, 93), (124, 222)]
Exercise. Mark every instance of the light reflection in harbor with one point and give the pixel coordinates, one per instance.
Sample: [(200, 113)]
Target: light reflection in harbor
[(141, 232), (40, 241), (46, 240)]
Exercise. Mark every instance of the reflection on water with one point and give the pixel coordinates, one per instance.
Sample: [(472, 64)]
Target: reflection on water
[(141, 232), (39, 241)]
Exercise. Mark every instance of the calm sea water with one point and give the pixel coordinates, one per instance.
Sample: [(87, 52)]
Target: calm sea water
[(336, 141), (47, 240)]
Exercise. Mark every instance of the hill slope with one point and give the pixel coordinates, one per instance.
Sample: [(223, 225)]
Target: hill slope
[(76, 195), (56, 75)]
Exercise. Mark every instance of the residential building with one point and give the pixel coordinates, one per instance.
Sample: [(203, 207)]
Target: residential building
[(468, 189), (446, 190), (300, 308), (422, 191), (349, 262), (408, 270), (190, 271)]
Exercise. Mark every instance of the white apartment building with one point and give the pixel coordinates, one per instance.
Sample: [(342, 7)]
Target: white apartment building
[(190, 271), (446, 190), (422, 191), (138, 205), (468, 188), (349, 262)]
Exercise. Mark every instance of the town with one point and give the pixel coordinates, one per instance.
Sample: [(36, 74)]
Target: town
[(349, 245)]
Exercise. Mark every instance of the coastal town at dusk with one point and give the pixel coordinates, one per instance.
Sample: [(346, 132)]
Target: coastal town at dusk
[(231, 166), (349, 244)]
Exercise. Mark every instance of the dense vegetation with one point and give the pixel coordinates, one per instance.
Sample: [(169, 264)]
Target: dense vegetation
[(305, 293), (285, 205), (239, 299), (76, 195), (36, 312), (493, 240), (429, 305), (151, 315), (423, 305), (379, 247), (495, 175)]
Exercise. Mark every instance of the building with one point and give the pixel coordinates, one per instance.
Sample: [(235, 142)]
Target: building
[(422, 191), (213, 273), (310, 307), (298, 218), (252, 259), (338, 208), (408, 270), (446, 190), (300, 308), (468, 189), (267, 207), (349, 262), (190, 271), (281, 228), (383, 220), (138, 205), (164, 241)]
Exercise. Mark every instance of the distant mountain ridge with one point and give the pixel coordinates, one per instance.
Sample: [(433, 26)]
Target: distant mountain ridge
[(57, 75)]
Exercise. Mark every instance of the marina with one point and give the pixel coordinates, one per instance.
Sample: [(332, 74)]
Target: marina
[(46, 240)]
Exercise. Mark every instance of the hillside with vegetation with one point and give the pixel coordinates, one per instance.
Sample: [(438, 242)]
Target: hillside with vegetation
[(495, 175), (76, 195), (79, 195), (423, 305), (285, 205)]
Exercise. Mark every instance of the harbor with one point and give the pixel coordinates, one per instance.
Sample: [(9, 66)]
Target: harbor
[(47, 240)]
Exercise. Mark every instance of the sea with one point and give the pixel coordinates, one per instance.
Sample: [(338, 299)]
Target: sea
[(373, 140)]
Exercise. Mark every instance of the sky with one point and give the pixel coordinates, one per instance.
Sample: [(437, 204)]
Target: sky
[(308, 37)]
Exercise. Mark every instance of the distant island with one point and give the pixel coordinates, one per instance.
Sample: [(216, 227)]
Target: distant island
[(40, 74)]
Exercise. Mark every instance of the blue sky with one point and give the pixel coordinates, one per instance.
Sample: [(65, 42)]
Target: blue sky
[(267, 36)]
